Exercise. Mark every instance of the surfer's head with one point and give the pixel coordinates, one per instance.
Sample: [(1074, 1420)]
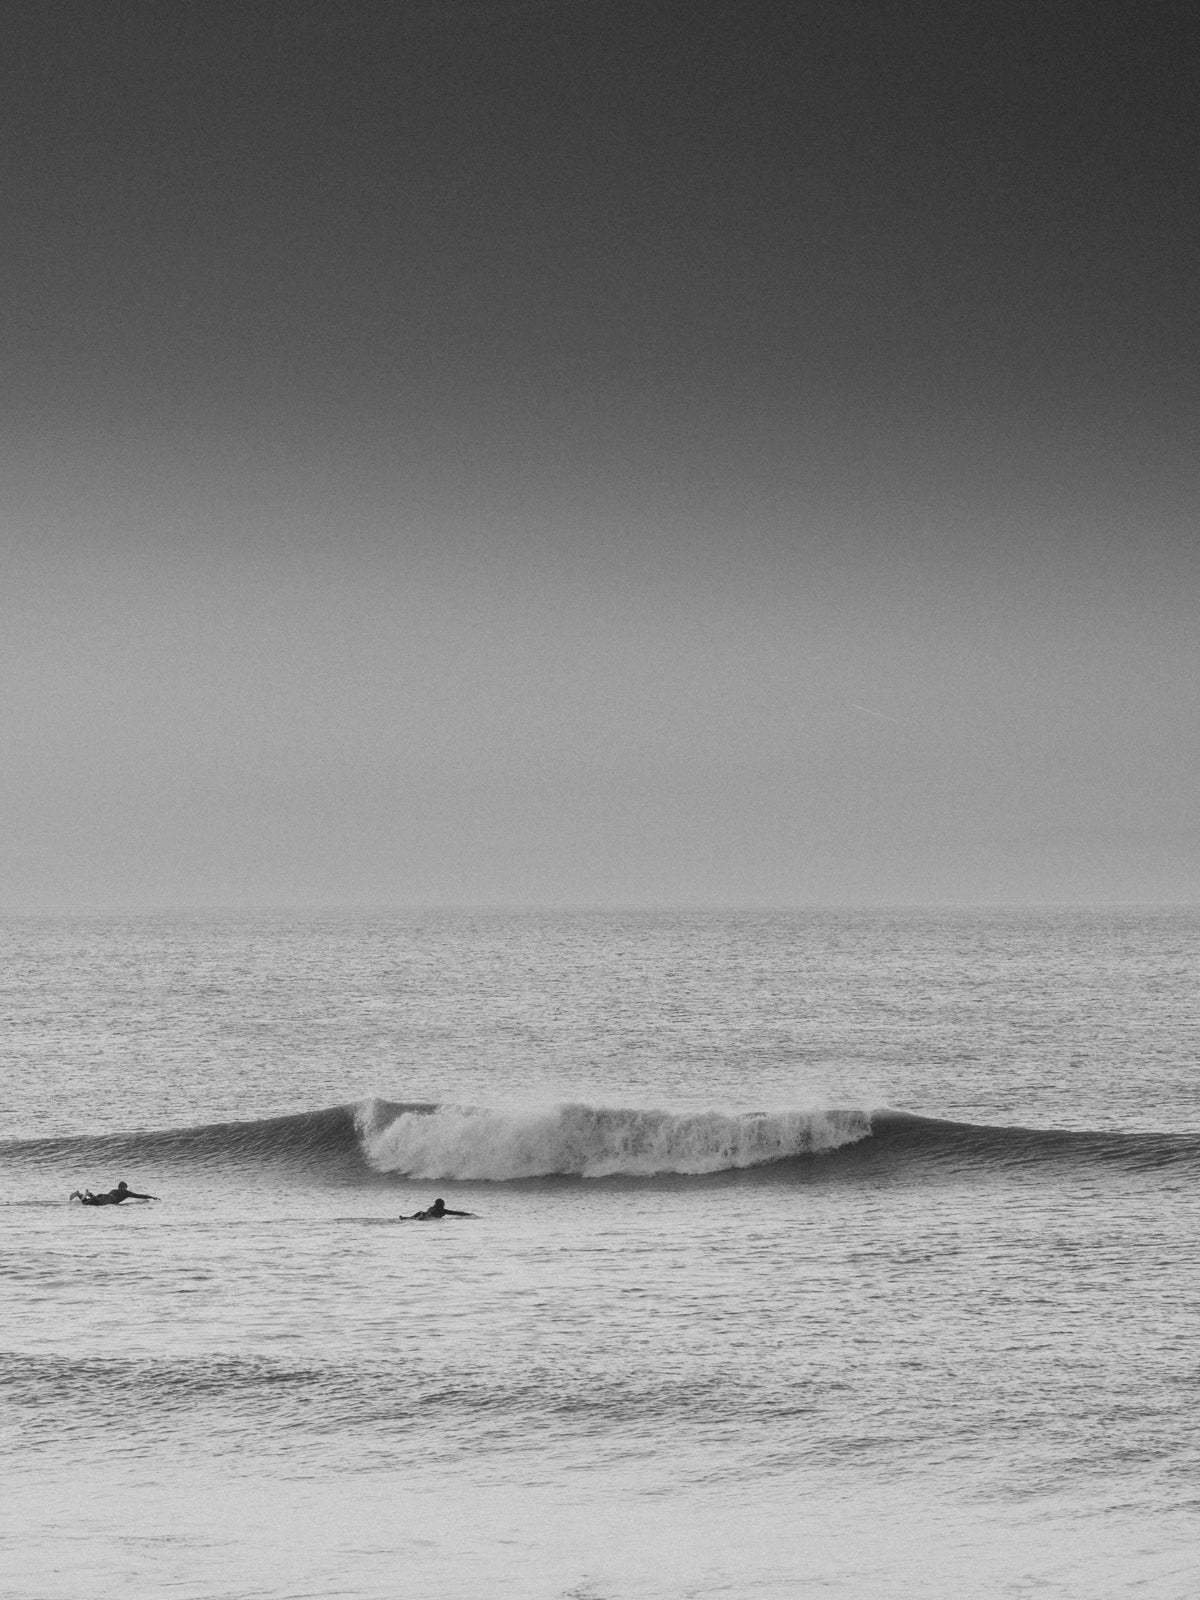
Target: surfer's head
[(438, 1207), (122, 1185)]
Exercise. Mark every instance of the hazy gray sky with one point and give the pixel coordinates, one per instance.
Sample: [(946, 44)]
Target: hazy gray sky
[(598, 453)]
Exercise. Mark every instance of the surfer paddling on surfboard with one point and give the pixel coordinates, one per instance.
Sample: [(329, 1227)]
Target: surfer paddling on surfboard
[(114, 1197), (435, 1213)]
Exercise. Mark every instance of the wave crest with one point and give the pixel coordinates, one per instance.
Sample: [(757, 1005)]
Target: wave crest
[(466, 1142)]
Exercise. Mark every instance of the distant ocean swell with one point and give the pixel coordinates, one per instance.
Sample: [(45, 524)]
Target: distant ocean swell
[(379, 1139)]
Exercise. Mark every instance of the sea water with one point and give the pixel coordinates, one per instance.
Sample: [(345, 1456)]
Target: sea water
[(837, 1253)]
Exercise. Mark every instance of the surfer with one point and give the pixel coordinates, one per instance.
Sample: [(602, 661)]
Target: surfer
[(435, 1213), (113, 1197)]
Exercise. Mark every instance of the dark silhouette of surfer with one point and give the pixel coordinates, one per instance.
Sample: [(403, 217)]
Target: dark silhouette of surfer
[(435, 1213), (113, 1197)]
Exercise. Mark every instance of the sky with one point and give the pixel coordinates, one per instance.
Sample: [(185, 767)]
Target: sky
[(587, 453)]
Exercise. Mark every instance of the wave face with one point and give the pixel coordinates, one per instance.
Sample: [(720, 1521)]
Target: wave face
[(379, 1140), (901, 1137), (324, 1143)]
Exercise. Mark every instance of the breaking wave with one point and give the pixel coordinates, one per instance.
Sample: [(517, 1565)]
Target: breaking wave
[(583, 1141), (381, 1140)]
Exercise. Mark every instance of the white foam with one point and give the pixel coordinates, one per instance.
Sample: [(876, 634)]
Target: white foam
[(598, 1141)]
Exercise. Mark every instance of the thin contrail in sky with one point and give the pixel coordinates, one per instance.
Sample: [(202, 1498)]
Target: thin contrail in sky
[(882, 715)]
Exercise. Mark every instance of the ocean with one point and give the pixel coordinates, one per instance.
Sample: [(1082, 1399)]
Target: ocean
[(838, 1253)]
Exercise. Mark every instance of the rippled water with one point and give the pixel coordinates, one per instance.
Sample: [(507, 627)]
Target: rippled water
[(919, 1359)]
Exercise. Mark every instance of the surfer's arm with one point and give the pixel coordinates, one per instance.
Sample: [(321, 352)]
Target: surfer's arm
[(132, 1194), (449, 1213)]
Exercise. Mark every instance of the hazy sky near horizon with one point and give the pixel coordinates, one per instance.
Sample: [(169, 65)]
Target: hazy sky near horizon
[(599, 453)]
